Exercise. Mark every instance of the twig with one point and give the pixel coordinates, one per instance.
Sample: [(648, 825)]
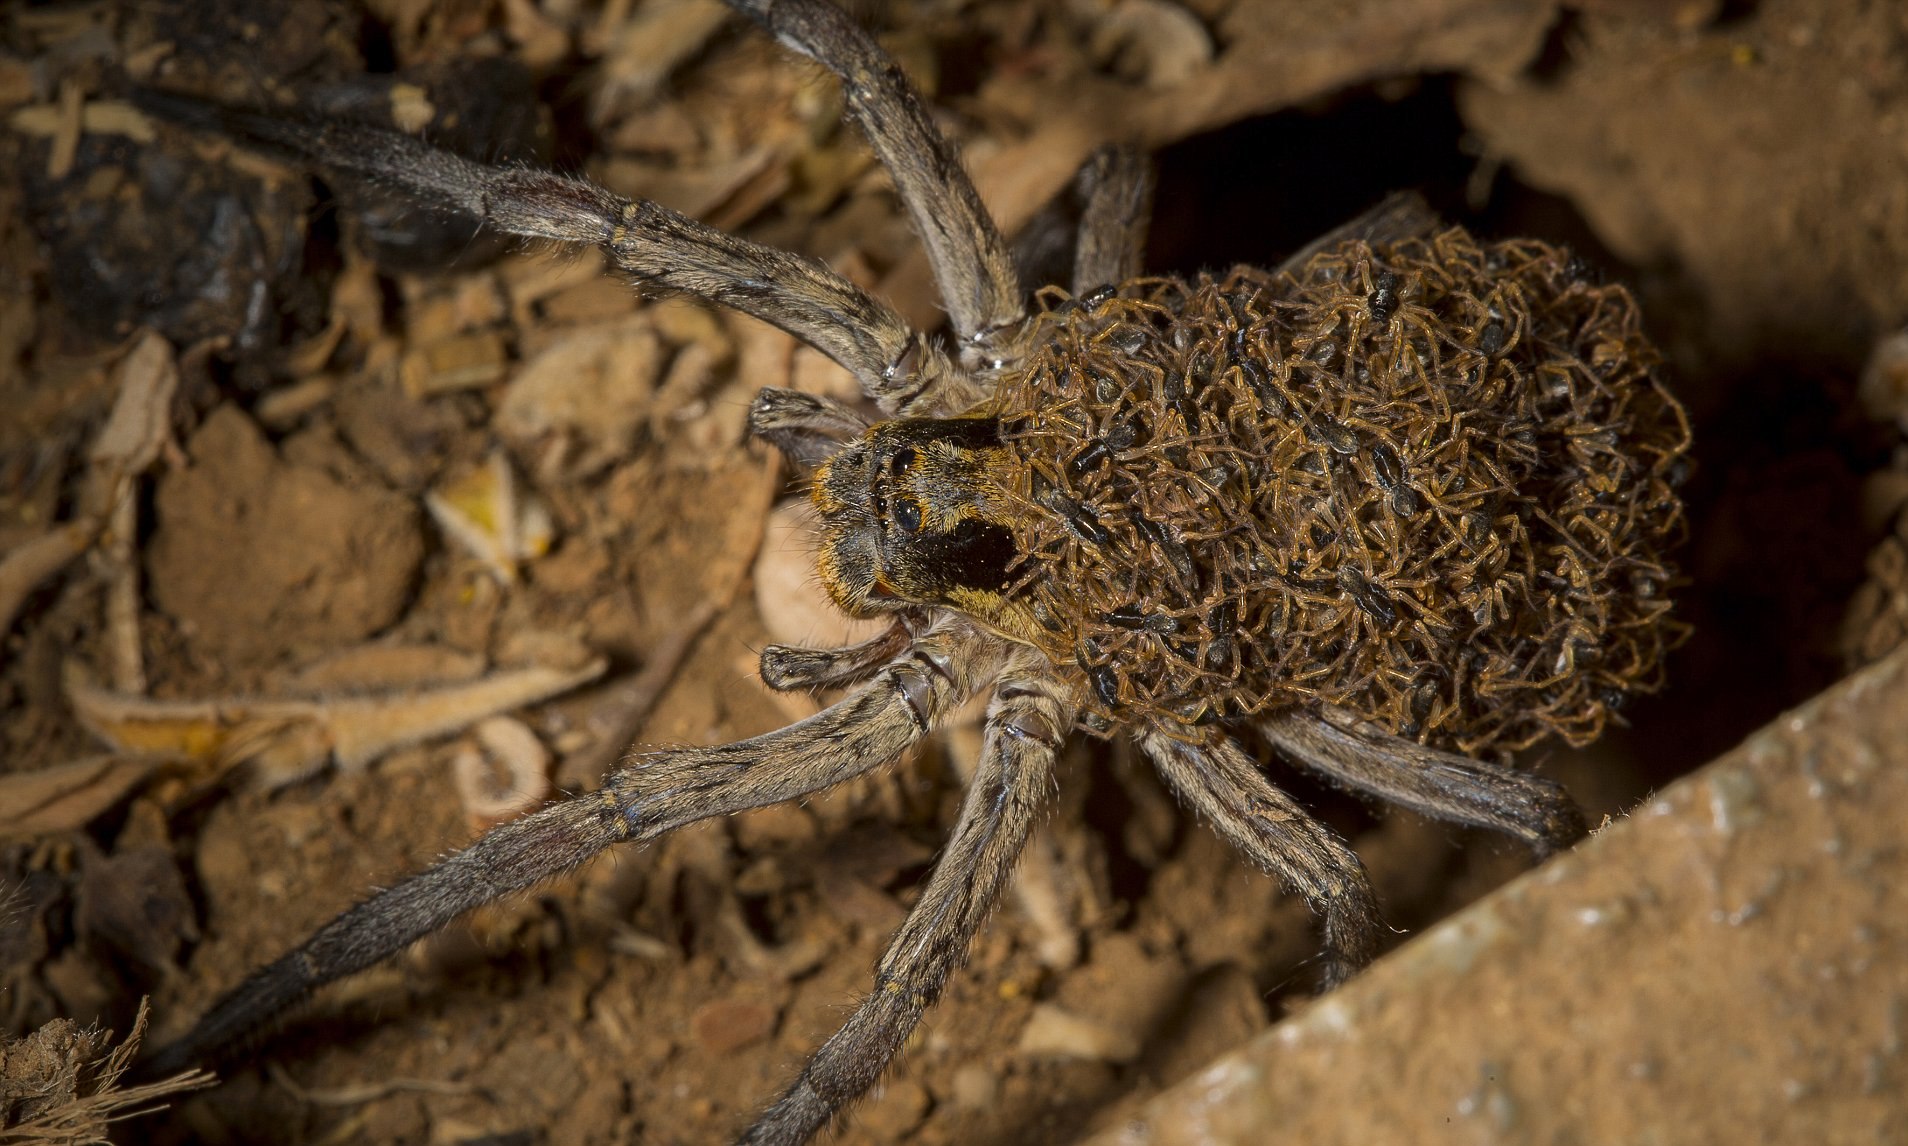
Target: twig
[(360, 1093)]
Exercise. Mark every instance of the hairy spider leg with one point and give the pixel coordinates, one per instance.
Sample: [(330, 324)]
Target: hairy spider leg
[(787, 668), (648, 796), (1119, 204), (1372, 762), (1223, 784), (654, 246), (506, 859), (807, 428), (972, 265), (1026, 724)]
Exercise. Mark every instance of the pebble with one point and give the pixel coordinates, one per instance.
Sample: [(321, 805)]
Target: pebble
[(727, 1025)]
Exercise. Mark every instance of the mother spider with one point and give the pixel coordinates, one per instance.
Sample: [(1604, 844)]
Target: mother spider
[(1404, 497)]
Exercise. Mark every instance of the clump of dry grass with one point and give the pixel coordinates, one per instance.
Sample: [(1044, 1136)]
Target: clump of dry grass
[(60, 1085)]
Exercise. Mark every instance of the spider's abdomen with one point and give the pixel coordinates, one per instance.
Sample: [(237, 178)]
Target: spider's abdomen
[(1430, 482)]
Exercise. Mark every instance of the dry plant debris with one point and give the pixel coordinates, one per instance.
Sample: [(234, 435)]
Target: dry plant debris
[(505, 774), (286, 740), (484, 512), (137, 429), (66, 797), (60, 1085)]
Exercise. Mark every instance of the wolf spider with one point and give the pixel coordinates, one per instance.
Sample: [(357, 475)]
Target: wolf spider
[(896, 541)]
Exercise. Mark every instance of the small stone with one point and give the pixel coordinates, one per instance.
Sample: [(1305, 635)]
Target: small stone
[(1126, 989), (727, 1025), (1221, 1009), (975, 1087), (1053, 1033), (896, 1110), (460, 362)]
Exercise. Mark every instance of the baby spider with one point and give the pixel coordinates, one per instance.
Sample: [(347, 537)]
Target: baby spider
[(1402, 499)]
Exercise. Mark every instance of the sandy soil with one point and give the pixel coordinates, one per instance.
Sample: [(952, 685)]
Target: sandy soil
[(1742, 164)]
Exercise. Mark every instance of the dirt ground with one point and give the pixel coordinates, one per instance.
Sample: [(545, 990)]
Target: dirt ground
[(397, 482)]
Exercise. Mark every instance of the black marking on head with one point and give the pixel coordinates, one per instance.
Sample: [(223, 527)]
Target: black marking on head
[(965, 433), (974, 554)]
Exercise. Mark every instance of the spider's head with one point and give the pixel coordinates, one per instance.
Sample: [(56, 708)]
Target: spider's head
[(913, 513)]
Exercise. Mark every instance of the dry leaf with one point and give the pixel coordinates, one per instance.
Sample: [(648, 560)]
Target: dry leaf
[(286, 740), (484, 512), (134, 433), (66, 797)]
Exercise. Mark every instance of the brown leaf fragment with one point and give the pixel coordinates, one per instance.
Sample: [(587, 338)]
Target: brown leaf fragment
[(25, 566), (285, 740), (727, 1025), (66, 797), (134, 433)]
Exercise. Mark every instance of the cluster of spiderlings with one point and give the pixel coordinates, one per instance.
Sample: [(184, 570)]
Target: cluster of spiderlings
[(1430, 482)]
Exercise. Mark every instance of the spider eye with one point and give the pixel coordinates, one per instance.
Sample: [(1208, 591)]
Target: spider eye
[(907, 514), (902, 461)]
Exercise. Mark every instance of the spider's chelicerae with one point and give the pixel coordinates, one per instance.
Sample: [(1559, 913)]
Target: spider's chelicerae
[(1395, 509)]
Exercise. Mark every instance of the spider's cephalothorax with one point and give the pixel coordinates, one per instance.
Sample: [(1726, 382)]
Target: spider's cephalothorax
[(914, 513), (1407, 494)]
